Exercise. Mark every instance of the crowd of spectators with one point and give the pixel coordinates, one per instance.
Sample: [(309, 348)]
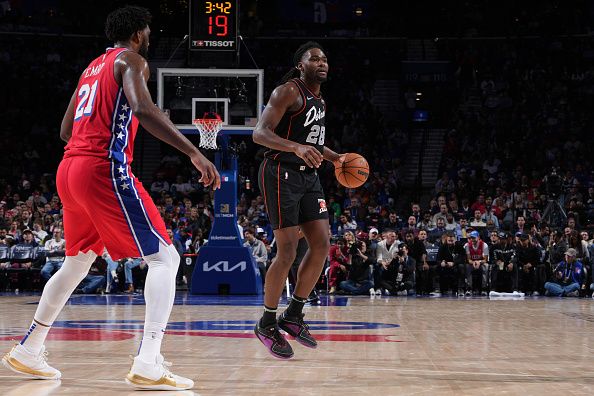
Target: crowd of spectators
[(497, 163)]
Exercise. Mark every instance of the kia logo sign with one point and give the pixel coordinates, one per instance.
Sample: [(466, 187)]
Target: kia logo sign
[(223, 266)]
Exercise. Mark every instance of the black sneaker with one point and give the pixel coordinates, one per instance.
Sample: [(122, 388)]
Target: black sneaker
[(296, 327), (272, 339)]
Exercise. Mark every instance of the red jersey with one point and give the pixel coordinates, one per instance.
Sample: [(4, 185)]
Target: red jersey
[(104, 125)]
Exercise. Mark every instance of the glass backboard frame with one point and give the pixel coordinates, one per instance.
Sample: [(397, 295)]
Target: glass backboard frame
[(227, 129)]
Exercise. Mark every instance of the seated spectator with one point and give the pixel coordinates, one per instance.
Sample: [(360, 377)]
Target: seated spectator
[(451, 259), (346, 223), (95, 281), (39, 233), (527, 259), (477, 255), (504, 273), (477, 220), (568, 277), (55, 252), (359, 272), (24, 260), (427, 222), (393, 222), (339, 259), (438, 231), (129, 265), (181, 188), (112, 267), (411, 226), (398, 276), (160, 185), (451, 224), (258, 249), (443, 213)]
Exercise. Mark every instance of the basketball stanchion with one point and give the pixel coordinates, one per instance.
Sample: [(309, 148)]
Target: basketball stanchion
[(224, 265)]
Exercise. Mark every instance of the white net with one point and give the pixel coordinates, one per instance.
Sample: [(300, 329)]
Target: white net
[(209, 128)]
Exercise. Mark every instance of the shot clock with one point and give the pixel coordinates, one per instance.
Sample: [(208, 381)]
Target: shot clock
[(213, 25)]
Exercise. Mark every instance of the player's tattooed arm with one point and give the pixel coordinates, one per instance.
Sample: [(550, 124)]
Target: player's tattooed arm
[(68, 120), (284, 98), (132, 71)]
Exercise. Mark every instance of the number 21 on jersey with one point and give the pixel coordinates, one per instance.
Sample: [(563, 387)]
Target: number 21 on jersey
[(317, 135), (86, 98)]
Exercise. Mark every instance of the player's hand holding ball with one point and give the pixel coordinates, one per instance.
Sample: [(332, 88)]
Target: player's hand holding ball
[(351, 170)]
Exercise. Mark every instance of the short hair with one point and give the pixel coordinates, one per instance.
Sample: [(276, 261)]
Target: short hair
[(249, 230), (124, 22)]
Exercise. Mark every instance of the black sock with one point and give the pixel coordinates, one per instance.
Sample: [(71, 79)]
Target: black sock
[(269, 317), (296, 305)]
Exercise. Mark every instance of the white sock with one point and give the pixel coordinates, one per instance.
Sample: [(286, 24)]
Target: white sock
[(55, 294), (150, 346), (159, 293), (35, 337)]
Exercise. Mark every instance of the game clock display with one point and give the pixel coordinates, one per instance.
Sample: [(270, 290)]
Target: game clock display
[(213, 25)]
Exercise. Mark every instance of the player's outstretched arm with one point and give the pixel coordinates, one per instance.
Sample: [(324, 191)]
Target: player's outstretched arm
[(284, 98), (132, 71)]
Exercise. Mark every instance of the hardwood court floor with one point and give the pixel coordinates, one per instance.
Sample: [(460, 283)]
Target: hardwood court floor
[(380, 346)]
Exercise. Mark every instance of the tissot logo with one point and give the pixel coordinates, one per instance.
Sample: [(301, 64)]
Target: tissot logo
[(223, 266), (209, 43)]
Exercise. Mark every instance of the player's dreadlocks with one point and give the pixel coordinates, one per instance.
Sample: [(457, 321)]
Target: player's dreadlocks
[(125, 21), (294, 72)]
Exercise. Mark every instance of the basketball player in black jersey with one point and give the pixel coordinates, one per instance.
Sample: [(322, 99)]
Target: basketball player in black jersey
[(292, 127)]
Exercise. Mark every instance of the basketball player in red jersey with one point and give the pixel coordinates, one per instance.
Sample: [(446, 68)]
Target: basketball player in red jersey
[(105, 205), (292, 126)]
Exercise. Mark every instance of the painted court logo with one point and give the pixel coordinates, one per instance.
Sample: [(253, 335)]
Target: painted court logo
[(119, 330), (322, 204)]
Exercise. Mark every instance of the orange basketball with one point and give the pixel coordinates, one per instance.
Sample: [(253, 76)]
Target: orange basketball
[(353, 172)]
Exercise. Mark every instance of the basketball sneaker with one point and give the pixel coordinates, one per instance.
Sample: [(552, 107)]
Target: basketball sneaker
[(272, 339), (296, 327), (156, 376), (21, 361)]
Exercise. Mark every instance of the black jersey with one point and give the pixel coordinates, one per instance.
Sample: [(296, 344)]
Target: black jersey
[(304, 126)]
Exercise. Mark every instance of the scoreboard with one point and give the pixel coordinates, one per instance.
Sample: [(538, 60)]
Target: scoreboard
[(213, 25)]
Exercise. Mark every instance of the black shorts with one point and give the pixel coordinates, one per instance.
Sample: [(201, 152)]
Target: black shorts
[(293, 194)]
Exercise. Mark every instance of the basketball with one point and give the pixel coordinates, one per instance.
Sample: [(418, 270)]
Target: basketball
[(353, 172)]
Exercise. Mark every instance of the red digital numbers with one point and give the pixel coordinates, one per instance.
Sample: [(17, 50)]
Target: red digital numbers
[(221, 22)]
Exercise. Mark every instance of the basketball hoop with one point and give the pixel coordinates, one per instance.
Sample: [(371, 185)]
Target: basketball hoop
[(209, 128)]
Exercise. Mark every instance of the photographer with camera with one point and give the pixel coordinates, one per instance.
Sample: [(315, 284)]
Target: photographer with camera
[(568, 277), (399, 275)]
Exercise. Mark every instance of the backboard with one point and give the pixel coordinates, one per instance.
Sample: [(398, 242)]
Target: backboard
[(237, 95)]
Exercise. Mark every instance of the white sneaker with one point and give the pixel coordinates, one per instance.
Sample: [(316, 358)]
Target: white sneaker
[(372, 292), (387, 292), (21, 361), (378, 292), (156, 376), (535, 294)]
